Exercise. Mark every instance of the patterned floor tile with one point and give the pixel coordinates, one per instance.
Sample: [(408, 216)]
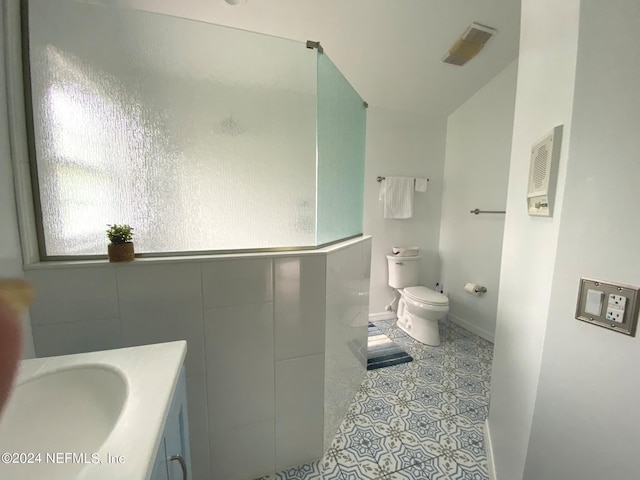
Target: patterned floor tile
[(431, 374), (460, 466), (390, 382), (366, 389), (447, 448), (393, 455), (462, 431), (363, 439), (471, 386), (430, 394), (422, 420), (426, 354), (416, 442), (355, 465), (309, 471), (329, 468), (466, 348), (413, 472), (423, 424), (355, 428), (378, 405), (475, 409), (422, 406)]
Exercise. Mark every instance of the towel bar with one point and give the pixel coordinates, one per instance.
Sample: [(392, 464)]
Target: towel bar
[(477, 211), (379, 179)]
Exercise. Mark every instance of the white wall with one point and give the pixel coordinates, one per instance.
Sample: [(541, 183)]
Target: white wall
[(585, 424), (10, 252), (402, 144), (544, 95), (476, 172)]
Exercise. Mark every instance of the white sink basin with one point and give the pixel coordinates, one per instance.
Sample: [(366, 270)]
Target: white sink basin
[(73, 409), (89, 416), (62, 405)]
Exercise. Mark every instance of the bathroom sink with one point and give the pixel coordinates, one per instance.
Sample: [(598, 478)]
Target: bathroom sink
[(89, 416), (72, 410)]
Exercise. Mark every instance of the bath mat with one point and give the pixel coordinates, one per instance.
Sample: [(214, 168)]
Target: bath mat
[(382, 352)]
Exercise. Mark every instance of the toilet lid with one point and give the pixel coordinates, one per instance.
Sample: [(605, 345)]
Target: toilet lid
[(426, 295)]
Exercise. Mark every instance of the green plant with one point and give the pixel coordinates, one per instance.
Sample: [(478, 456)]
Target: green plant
[(119, 234)]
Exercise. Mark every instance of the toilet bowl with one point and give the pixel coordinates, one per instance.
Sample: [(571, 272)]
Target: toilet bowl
[(420, 308)]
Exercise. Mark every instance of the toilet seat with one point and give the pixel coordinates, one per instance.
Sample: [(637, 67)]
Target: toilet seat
[(426, 295)]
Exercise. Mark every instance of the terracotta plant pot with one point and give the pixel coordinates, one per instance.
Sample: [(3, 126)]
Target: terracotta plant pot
[(120, 252)]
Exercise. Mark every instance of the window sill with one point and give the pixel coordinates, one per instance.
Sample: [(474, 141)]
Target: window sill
[(85, 263)]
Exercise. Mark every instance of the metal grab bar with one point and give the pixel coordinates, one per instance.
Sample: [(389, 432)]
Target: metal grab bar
[(477, 211)]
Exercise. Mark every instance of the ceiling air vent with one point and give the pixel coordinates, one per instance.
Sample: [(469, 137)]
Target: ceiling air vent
[(469, 44)]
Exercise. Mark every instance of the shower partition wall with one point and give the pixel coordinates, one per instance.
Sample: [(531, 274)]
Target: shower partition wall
[(341, 126), (204, 138)]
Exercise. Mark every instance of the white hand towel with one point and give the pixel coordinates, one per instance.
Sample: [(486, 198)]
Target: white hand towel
[(421, 184), (397, 197)]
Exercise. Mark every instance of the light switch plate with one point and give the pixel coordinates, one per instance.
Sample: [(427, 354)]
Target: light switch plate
[(619, 314), (593, 305)]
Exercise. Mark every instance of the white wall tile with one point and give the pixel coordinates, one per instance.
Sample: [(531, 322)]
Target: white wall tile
[(77, 337), (198, 427), (299, 306), (345, 357), (163, 302), (336, 317), (240, 369), (243, 453), (336, 269), (355, 265), (73, 294), (237, 282), (365, 283), (299, 410), (366, 256)]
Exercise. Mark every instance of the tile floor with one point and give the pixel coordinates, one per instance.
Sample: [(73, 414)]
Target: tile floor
[(420, 420)]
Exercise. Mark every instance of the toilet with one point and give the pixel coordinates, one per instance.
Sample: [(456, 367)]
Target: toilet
[(420, 308)]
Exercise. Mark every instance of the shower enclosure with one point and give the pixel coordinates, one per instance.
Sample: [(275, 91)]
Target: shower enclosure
[(204, 138)]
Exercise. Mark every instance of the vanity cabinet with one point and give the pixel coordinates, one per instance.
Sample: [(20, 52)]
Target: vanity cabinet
[(173, 461)]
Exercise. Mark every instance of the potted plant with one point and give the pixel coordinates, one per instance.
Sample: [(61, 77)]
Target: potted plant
[(121, 247)]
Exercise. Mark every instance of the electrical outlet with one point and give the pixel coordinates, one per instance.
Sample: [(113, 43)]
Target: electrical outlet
[(614, 306), (617, 300), (615, 314)]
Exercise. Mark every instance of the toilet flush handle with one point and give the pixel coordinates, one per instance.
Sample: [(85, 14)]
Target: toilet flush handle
[(399, 263)]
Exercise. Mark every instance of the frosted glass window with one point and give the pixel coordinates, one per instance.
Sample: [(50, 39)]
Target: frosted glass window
[(341, 153), (199, 136)]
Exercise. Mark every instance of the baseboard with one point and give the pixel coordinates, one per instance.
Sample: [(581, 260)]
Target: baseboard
[(481, 332), (382, 316), (489, 450)]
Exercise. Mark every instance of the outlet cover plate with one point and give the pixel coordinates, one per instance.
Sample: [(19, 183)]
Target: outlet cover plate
[(632, 303)]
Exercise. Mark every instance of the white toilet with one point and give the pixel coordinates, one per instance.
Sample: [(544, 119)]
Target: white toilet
[(420, 308)]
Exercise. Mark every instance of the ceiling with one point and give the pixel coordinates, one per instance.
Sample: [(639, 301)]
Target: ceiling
[(389, 50)]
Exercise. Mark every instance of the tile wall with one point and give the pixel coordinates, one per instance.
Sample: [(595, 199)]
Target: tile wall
[(276, 344)]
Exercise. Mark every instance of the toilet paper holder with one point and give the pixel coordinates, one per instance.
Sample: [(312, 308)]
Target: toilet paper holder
[(475, 289)]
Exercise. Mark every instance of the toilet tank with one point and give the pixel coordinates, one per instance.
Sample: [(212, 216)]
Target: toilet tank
[(403, 271)]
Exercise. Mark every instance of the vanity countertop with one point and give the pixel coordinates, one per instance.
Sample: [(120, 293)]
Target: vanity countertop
[(89, 416)]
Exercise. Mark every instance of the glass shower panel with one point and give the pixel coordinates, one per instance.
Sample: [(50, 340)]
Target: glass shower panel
[(341, 129), (201, 137)]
